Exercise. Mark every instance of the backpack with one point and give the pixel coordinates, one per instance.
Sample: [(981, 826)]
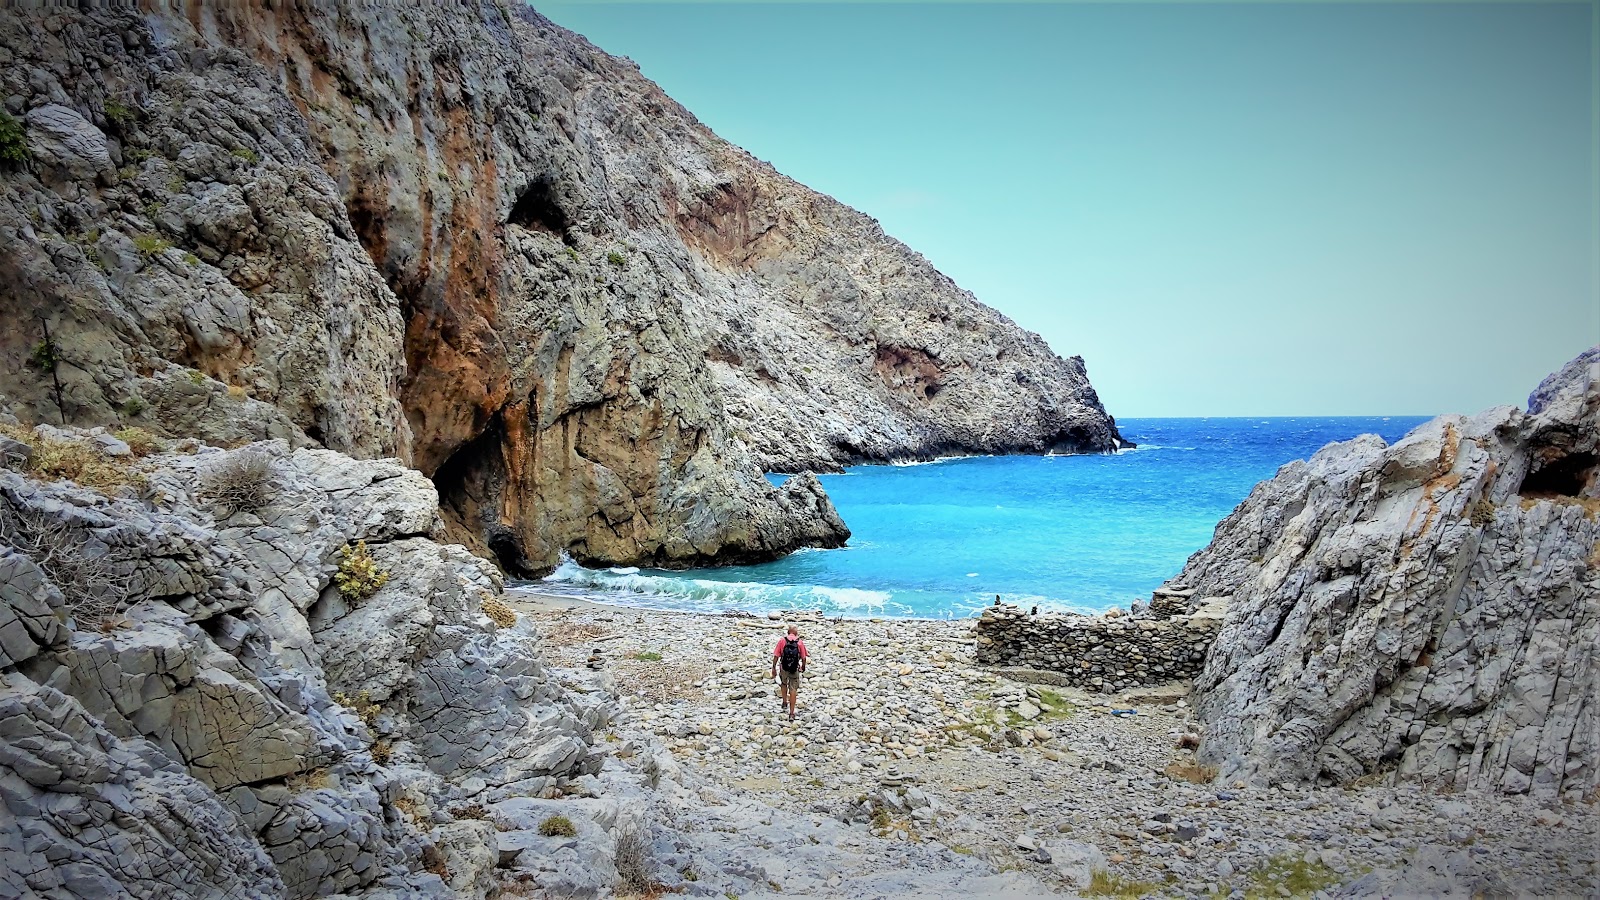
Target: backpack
[(791, 654)]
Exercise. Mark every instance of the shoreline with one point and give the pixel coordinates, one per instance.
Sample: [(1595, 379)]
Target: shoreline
[(900, 731)]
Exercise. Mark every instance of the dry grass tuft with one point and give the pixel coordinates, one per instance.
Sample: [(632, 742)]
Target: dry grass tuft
[(633, 862), (569, 634), (501, 614), (558, 826), (94, 586), (239, 482), (1190, 771), (141, 441), (75, 461)]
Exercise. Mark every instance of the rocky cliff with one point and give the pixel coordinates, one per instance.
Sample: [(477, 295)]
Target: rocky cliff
[(463, 236), (1428, 610)]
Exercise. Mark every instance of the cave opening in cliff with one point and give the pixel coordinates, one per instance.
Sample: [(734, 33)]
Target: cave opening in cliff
[(1568, 476), (537, 209)]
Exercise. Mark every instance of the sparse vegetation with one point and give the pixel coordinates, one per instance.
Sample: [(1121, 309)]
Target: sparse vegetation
[(558, 826), (151, 245), (239, 482), (152, 209), (191, 260), (498, 612), (237, 392), (573, 254), (133, 406), (76, 461), (1190, 771), (382, 752), (120, 114), (137, 154), (471, 811), (361, 704), (94, 585), (197, 377), (1293, 874), (13, 141), (633, 862), (359, 576), (43, 357), (312, 780), (616, 259), (648, 656), (1105, 884), (140, 440), (246, 154)]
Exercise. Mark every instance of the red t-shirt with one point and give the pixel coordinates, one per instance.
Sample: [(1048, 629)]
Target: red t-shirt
[(778, 650)]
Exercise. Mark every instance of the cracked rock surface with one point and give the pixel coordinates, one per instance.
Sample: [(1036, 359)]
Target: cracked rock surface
[(1428, 610)]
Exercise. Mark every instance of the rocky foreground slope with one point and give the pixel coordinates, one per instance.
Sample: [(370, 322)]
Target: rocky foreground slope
[(1428, 610), (461, 235), (208, 690)]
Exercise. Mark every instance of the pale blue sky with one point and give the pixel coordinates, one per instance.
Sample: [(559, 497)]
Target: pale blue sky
[(1226, 209)]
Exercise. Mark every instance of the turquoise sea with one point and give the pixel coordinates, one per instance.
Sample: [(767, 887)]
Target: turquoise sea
[(941, 539)]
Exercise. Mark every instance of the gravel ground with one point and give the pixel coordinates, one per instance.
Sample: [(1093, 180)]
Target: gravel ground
[(1045, 780)]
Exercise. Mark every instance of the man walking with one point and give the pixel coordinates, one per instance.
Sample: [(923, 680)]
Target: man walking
[(789, 659)]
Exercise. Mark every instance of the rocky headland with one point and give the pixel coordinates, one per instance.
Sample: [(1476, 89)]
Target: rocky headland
[(461, 236)]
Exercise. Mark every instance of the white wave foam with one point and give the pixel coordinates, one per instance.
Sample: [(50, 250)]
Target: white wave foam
[(635, 588), (926, 462)]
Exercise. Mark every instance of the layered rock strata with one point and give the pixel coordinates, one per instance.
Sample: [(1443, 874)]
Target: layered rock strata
[(1097, 653), (1425, 610), (192, 704), (463, 236)]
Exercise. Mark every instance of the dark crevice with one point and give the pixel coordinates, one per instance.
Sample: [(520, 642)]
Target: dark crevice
[(538, 209), (1568, 476)]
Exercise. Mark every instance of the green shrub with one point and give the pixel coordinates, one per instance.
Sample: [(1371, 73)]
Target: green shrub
[(119, 114), (558, 826), (13, 141), (43, 357), (151, 245), (191, 259), (133, 406), (246, 154), (359, 576), (616, 259), (648, 656)]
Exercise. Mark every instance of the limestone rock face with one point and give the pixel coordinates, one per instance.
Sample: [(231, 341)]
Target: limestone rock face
[(462, 236), (1429, 609), (237, 723)]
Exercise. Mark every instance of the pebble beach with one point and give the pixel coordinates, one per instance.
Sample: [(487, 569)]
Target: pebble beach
[(901, 732)]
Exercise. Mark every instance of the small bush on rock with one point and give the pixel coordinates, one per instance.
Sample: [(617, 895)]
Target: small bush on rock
[(239, 482), (359, 576), (501, 614), (93, 585), (151, 245), (633, 862), (558, 826), (13, 141)]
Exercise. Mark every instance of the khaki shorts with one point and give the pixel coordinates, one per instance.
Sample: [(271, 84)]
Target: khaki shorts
[(788, 680)]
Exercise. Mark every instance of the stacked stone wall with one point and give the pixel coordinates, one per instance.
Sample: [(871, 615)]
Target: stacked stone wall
[(1103, 653)]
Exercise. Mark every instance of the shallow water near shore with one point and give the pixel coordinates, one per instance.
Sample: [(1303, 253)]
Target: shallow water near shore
[(942, 539)]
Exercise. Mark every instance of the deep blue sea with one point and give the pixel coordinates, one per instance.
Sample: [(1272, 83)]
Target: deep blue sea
[(941, 539)]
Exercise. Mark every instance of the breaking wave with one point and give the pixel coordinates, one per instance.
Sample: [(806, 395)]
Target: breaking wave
[(667, 590)]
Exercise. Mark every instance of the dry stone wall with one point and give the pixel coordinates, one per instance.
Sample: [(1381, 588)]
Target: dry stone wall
[(1098, 653)]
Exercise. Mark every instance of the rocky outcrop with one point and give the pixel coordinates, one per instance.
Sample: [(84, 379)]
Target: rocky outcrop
[(1426, 610), (236, 723), (462, 236)]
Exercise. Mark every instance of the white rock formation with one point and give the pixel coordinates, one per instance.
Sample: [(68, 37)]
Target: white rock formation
[(1430, 609)]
